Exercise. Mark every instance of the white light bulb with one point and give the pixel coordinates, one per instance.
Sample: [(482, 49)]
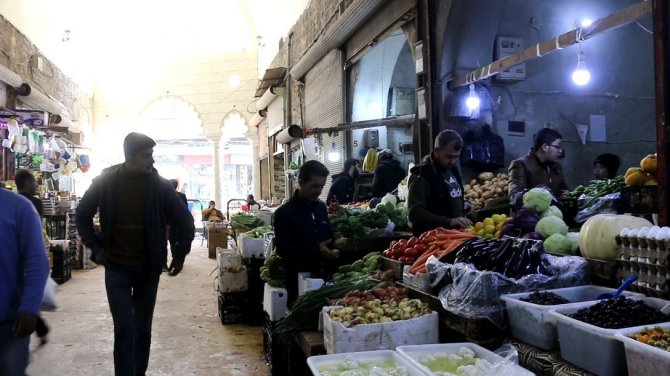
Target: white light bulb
[(586, 22), (581, 76), (472, 101), (333, 156)]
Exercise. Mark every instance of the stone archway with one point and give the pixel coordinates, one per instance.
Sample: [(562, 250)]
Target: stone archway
[(236, 157), (170, 117)]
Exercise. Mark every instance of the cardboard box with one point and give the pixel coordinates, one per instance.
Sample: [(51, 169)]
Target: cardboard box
[(216, 238), (383, 336)]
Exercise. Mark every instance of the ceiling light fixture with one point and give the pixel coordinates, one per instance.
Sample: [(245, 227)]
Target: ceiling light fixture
[(581, 76), (472, 101), (333, 154), (585, 22)]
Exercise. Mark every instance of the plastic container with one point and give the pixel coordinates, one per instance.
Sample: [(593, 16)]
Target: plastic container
[(228, 258), (233, 281), (316, 362), (531, 323), (416, 352), (305, 283), (232, 307), (274, 302), (590, 347), (251, 247), (643, 359)]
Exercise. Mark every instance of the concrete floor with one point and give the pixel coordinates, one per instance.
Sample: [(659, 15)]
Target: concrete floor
[(188, 338)]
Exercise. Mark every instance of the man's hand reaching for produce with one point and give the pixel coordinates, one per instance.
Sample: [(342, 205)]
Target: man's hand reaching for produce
[(461, 222), (325, 251)]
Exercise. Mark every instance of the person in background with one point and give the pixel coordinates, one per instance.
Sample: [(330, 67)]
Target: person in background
[(172, 231), (24, 271), (252, 201), (605, 166), (26, 185), (539, 167), (212, 214), (388, 174), (435, 197), (344, 183), (135, 205), (302, 229)]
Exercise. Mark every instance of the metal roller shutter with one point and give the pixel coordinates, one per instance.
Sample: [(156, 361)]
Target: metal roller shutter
[(323, 108)]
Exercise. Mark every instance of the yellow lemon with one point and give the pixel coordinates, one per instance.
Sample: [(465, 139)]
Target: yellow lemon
[(479, 226), (497, 218), (480, 233), (488, 222), (499, 226), (497, 235), (490, 229)]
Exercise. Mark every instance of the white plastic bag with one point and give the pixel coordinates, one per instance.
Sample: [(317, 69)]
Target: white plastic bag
[(49, 298)]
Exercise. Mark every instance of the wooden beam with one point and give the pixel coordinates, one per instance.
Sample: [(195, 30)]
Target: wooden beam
[(610, 22)]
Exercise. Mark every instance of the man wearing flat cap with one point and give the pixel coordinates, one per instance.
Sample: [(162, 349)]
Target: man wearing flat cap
[(134, 204)]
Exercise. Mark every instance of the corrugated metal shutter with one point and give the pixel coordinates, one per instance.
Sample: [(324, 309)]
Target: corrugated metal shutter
[(323, 108), (390, 13)]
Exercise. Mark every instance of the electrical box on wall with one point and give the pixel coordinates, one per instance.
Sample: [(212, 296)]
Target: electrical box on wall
[(402, 101), (371, 138), (506, 46)]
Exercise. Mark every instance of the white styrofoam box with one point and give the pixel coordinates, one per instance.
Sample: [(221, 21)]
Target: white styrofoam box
[(233, 281), (265, 215), (269, 244), (338, 338), (305, 283), (274, 302), (532, 323), (420, 281), (228, 258), (323, 361), (415, 352), (251, 247), (590, 347), (643, 359)]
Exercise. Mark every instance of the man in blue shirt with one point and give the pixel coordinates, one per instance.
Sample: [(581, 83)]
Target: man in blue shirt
[(24, 269)]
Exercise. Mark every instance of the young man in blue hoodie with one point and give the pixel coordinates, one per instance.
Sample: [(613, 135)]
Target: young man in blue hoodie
[(24, 269)]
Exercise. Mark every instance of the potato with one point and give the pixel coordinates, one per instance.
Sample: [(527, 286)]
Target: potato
[(473, 182), (475, 194), (467, 187), (486, 195), (498, 191), (506, 189)]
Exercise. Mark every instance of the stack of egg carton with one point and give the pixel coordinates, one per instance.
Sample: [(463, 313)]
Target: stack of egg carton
[(645, 252)]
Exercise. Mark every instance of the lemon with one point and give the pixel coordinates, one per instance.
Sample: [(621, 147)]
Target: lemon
[(489, 222), (497, 235), (499, 226), (480, 233), (490, 229), (479, 226), (497, 218)]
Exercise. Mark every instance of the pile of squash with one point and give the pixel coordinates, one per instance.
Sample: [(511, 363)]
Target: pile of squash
[(643, 175)]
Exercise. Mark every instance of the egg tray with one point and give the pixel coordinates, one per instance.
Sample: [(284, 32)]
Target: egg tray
[(648, 259)]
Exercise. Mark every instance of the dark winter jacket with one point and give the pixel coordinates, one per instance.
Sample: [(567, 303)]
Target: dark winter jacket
[(435, 197), (299, 228), (388, 175), (528, 172), (163, 206), (342, 189)]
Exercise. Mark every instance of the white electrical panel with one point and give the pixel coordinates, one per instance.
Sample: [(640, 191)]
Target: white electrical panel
[(506, 46)]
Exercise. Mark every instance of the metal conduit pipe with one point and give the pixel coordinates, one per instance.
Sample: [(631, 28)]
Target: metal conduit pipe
[(350, 21), (10, 77), (36, 99)]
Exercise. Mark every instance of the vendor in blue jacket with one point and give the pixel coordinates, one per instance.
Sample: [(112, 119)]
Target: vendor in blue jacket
[(135, 205), (24, 269), (302, 229)]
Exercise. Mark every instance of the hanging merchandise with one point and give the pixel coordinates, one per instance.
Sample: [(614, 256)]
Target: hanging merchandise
[(84, 162), (483, 150)]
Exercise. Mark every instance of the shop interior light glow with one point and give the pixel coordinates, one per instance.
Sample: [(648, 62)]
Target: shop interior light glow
[(585, 22), (333, 154), (472, 101), (581, 76)]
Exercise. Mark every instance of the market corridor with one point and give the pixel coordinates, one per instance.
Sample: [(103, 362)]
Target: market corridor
[(188, 338)]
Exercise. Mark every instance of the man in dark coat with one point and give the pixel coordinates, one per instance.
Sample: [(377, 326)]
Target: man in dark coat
[(388, 174), (344, 183), (135, 205), (435, 197)]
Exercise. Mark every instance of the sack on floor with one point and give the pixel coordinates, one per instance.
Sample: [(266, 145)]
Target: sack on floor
[(49, 299)]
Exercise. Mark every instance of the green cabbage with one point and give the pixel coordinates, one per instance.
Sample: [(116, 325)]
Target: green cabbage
[(557, 243), (548, 226), (538, 199), (573, 239), (552, 211)]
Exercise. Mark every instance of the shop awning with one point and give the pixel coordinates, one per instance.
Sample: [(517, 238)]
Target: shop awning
[(272, 76)]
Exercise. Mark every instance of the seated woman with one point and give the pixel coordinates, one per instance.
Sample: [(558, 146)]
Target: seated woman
[(605, 166)]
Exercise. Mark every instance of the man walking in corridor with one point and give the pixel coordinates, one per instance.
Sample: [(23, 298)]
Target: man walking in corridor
[(134, 204)]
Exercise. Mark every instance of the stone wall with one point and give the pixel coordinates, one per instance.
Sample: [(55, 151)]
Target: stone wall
[(16, 53)]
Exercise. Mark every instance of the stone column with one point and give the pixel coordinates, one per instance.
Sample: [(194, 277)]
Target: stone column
[(252, 136), (216, 159)]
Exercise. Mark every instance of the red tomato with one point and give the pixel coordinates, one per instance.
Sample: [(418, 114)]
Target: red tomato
[(412, 241), (398, 252), (393, 243), (421, 247), (402, 243), (387, 253)]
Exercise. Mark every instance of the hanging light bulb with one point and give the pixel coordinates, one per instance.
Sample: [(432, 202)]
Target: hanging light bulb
[(333, 154), (581, 76), (586, 22), (472, 101)]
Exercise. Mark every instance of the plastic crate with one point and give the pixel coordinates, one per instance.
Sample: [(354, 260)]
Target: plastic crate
[(256, 290), (232, 307), (640, 200), (275, 355), (532, 324), (643, 359), (321, 361), (590, 347)]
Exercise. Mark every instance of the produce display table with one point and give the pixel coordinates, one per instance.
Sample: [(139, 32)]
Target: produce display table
[(545, 363)]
